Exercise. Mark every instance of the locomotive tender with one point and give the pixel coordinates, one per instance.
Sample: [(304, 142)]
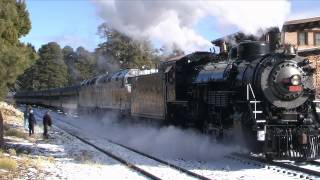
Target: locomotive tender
[(268, 95)]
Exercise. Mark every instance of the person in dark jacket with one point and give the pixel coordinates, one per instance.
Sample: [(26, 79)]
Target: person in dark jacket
[(47, 121), (32, 122)]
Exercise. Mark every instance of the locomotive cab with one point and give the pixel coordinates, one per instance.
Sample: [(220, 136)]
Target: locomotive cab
[(233, 55)]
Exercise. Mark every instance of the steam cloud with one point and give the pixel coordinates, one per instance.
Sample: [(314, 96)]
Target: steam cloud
[(169, 142), (164, 142), (173, 22)]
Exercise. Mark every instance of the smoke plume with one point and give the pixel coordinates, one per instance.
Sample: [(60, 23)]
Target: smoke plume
[(175, 21)]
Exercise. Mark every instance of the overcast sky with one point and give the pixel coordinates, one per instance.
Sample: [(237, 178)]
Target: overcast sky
[(75, 22)]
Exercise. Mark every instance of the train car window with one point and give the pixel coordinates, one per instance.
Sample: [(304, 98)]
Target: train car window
[(168, 69), (129, 80), (171, 77)]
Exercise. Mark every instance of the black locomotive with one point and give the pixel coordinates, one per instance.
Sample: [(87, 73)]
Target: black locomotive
[(268, 95)]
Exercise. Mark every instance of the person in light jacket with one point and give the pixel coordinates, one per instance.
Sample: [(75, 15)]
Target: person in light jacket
[(32, 122), (26, 117)]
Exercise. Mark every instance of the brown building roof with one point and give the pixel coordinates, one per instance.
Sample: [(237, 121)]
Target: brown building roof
[(301, 24), (301, 21)]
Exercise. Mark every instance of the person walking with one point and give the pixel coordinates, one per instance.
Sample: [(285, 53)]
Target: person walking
[(47, 121), (32, 122), (26, 117)]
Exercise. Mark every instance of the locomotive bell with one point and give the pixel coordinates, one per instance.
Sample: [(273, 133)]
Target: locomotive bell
[(290, 49)]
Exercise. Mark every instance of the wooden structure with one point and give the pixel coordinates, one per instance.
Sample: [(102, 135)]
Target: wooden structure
[(303, 33)]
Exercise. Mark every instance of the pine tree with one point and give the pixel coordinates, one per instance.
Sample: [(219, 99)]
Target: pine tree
[(122, 51), (51, 68), (86, 63), (15, 57), (81, 64), (70, 57)]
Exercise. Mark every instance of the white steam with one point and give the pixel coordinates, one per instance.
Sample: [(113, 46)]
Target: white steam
[(161, 141), (174, 22), (168, 142)]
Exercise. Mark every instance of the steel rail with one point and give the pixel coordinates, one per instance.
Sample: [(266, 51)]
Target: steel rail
[(122, 161), (280, 164), (190, 173)]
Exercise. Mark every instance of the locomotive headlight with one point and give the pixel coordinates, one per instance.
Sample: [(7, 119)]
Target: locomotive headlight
[(295, 80)]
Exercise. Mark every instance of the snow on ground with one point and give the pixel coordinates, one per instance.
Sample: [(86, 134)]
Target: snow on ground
[(147, 164), (76, 160), (68, 158), (192, 155)]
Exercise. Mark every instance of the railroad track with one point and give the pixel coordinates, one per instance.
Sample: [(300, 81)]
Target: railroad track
[(117, 158), (113, 156), (317, 163), (190, 173), (288, 168), (132, 166)]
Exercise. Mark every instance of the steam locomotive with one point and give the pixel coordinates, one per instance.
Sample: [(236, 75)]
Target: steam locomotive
[(268, 95)]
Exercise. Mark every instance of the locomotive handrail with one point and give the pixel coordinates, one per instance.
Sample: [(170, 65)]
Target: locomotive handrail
[(255, 102), (249, 89)]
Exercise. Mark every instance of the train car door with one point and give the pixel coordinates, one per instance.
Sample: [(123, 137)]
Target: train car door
[(169, 87), (170, 94)]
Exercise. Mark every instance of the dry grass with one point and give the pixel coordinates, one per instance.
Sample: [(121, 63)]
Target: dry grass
[(30, 162), (8, 164), (39, 161), (12, 152), (26, 161), (10, 110), (51, 159), (16, 133)]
